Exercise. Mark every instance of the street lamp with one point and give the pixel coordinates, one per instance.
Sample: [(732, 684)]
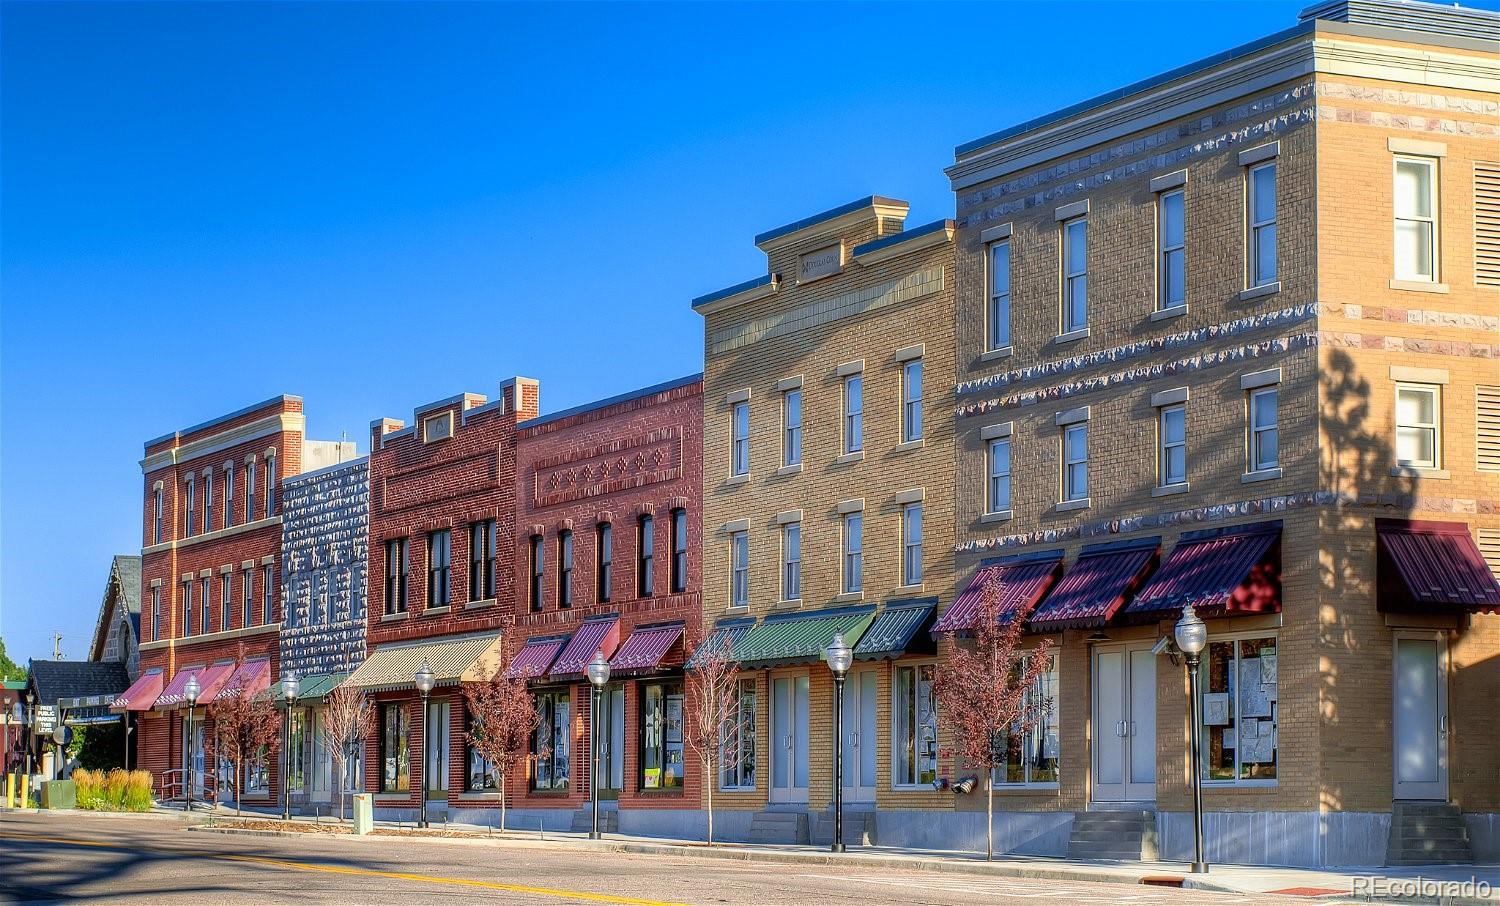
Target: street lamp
[(840, 657), (29, 731), (598, 672), (1192, 636), (425, 680), (291, 687), (189, 692)]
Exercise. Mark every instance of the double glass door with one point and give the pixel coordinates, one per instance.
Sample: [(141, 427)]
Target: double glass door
[(435, 770), (859, 737), (611, 729), (789, 739), (1124, 723)]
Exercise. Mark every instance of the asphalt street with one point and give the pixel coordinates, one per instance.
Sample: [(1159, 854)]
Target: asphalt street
[(96, 859)]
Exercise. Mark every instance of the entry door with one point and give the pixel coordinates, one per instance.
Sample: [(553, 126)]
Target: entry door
[(196, 759), (789, 739), (612, 738), (437, 749), (1124, 723), (859, 737), (1421, 718)]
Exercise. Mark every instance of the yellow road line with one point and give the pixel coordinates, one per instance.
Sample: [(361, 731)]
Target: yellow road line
[(363, 872)]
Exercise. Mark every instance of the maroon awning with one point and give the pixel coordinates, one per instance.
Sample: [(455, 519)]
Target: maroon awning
[(646, 649), (249, 679), (210, 680), (1231, 571), (1023, 578), (142, 693), (1097, 586), (535, 657), (592, 637), (1432, 566)]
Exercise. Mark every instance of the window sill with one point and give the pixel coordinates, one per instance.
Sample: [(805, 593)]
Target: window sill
[(736, 789), (793, 469), (788, 604), (480, 604), (994, 355), (548, 794), (1070, 505), (1070, 336), (1167, 314), (1419, 286), (1261, 475), (1239, 784), (478, 797), (997, 516), (1167, 490), (907, 445), (436, 611), (1419, 472), (909, 589), (394, 799), (848, 597), (1256, 292), (845, 459), (917, 788), (392, 617), (1027, 787), (736, 480)]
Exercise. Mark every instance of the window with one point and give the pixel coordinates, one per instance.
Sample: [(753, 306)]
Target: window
[(208, 500), (997, 497), (250, 490), (1171, 237), (739, 569), (204, 625), (482, 776), (395, 753), (661, 737), (155, 612), (605, 567), (679, 578), (482, 560), (190, 513), (1075, 462), (156, 508), (270, 507), (1031, 757), (645, 569), (296, 778), (1416, 218), (1075, 308), (225, 581), (187, 608), (911, 401), (854, 557), (1418, 431), (565, 568), (1263, 443), (228, 494), (791, 561), (1262, 209), (914, 752), (737, 745), (549, 743), (739, 439), (1238, 699), (437, 427), (854, 413), (1171, 436), (247, 610), (911, 544), (791, 426), (265, 594), (997, 317), (257, 774), (396, 564), (538, 570)]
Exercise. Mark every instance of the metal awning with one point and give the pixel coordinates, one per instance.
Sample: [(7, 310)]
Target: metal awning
[(1022, 578), (1432, 567), (143, 693), (726, 636), (592, 637), (1234, 571), (318, 685), (210, 679), (646, 649), (249, 679), (800, 638), (897, 630), (471, 658), (535, 657), (1095, 588)]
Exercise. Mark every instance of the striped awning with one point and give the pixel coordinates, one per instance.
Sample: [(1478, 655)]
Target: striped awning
[(249, 679), (895, 629), (143, 693), (1097, 586), (1432, 567), (210, 680), (592, 637), (800, 638), (726, 635), (318, 685), (1231, 571), (1022, 578), (646, 649), (471, 658), (535, 657)]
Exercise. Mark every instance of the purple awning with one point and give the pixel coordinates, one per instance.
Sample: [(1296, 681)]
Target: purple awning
[(210, 681), (535, 657), (1023, 581), (1095, 588), (1231, 571), (645, 649), (592, 637)]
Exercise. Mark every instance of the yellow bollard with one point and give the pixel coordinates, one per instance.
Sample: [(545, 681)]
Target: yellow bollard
[(25, 790), (10, 790)]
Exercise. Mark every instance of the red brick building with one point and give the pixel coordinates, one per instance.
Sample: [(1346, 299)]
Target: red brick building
[(210, 582)]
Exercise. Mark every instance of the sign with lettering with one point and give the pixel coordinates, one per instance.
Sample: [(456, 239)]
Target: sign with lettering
[(824, 262)]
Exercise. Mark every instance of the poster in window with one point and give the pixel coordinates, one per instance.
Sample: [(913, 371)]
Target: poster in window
[(653, 778), (1258, 750), (1229, 738), (1050, 744), (674, 719), (1215, 709), (1254, 702), (1268, 668)]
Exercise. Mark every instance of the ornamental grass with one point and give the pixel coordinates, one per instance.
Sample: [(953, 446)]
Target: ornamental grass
[(113, 791)]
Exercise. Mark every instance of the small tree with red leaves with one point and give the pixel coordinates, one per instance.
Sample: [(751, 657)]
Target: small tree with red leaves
[(716, 722), (247, 726), (985, 692), (348, 718), (502, 719)]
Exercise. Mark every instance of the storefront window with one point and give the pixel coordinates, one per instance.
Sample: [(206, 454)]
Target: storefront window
[(257, 779), (1238, 688), (482, 776), (550, 742), (1031, 757), (354, 768), (395, 755), (738, 748), (914, 728), (296, 776), (661, 737)]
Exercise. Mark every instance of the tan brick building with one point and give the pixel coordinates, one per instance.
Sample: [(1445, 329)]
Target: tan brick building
[(1211, 331), (828, 469)]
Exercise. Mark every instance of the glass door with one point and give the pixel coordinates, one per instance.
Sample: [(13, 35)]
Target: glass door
[(612, 742), (1421, 719), (1124, 732), (859, 737), (435, 770), (789, 696)]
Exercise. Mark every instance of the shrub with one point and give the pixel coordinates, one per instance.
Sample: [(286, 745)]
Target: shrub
[(137, 790), (90, 788), (116, 791)]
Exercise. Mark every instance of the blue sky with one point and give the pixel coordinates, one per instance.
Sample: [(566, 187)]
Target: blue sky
[(376, 205)]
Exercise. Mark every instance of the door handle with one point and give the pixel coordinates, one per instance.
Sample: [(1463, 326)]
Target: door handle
[(1443, 725)]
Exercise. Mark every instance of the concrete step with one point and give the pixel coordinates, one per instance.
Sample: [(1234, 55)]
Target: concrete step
[(859, 828), (1113, 835), (609, 821), (1426, 833), (779, 827)]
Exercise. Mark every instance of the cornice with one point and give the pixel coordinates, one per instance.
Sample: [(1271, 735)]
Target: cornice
[(284, 422)]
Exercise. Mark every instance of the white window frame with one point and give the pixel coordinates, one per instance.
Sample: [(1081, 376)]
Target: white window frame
[(1069, 492), (852, 570), (250, 491), (1258, 430), (190, 523), (997, 310), (739, 438), (1431, 220), (206, 604), (744, 728), (1075, 276), (739, 569), (270, 485), (156, 516), (187, 608), (1203, 689), (226, 591), (1052, 677), (1435, 427), (228, 495), (247, 597), (1256, 228), (911, 400), (1165, 446), (791, 422), (791, 561), (265, 595), (155, 612), (854, 413), (898, 781), (1168, 250), (997, 479), (208, 500), (911, 544)]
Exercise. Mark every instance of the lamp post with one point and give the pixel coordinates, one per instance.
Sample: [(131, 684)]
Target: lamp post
[(840, 658), (1192, 636), (28, 731), (291, 687), (425, 680), (598, 672), (189, 692)]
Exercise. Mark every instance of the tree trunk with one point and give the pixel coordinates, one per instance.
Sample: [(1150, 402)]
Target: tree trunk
[(709, 779), (989, 818), (339, 775), (239, 786), (502, 800)]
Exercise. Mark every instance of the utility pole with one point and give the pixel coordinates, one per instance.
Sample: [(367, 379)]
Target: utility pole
[(57, 645)]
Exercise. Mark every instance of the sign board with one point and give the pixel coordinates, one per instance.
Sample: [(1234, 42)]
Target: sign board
[(46, 720), (824, 262)]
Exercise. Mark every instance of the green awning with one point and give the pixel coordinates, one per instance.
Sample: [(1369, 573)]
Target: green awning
[(897, 630), (800, 638), (726, 633), (320, 684)]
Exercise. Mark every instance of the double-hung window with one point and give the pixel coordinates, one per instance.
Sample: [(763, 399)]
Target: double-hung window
[(156, 511), (645, 566), (737, 742), (538, 570), (1075, 477), (155, 612), (911, 401), (739, 569), (1419, 426), (1032, 749), (791, 421), (228, 494), (190, 512), (1261, 181), (997, 314), (911, 544), (482, 560), (439, 568), (854, 413), (564, 568), (791, 561), (604, 569), (187, 608), (208, 500), (1416, 219), (679, 576), (205, 605), (997, 495), (1075, 244), (914, 746), (1262, 443), (396, 565), (247, 598), (250, 491), (1171, 239), (854, 553), (270, 507), (739, 439), (225, 581), (1171, 436), (265, 594)]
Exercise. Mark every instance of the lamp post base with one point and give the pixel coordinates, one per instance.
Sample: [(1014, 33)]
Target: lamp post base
[(838, 846), (1200, 868)]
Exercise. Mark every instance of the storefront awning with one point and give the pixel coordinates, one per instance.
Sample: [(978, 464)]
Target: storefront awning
[(592, 637), (1233, 571), (249, 679), (535, 657), (1023, 578), (210, 680), (646, 649), (142, 693), (800, 638), (1432, 566), (472, 658), (1097, 586), (318, 685), (897, 630), (726, 636)]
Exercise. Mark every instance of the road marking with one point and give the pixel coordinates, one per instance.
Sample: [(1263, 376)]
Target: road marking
[(363, 872)]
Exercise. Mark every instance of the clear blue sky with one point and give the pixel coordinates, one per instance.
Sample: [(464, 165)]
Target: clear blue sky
[(374, 206)]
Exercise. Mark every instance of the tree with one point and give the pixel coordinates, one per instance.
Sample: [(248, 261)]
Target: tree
[(9, 669), (715, 722), (985, 692), (246, 726), (348, 717), (502, 719)]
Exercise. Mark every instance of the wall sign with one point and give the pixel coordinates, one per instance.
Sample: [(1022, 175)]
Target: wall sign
[(824, 262)]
